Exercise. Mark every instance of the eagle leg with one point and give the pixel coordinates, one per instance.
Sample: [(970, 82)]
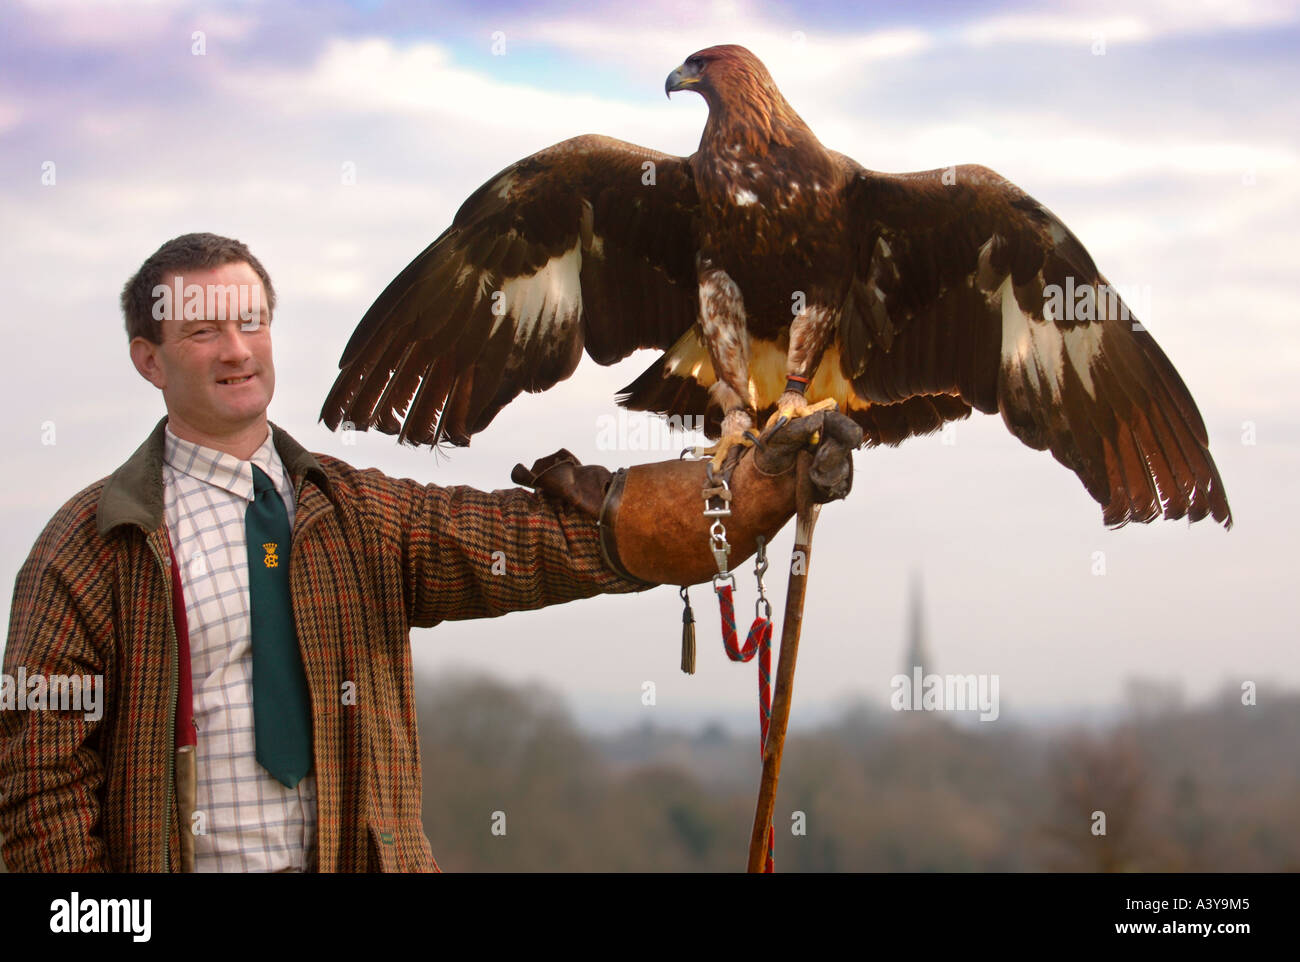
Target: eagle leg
[(726, 336), (810, 333)]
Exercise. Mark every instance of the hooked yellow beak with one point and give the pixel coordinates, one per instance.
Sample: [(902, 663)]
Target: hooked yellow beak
[(681, 78)]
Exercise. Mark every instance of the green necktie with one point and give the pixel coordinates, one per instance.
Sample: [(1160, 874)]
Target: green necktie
[(281, 705)]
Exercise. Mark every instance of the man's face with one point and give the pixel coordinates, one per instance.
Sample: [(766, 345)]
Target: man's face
[(215, 371)]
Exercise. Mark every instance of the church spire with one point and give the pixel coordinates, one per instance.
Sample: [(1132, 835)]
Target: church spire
[(917, 653)]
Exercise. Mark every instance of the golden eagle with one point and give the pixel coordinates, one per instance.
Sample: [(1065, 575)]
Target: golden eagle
[(779, 276)]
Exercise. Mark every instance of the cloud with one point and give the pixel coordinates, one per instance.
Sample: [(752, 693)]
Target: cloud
[(810, 55), (1125, 22), (420, 83), (123, 23)]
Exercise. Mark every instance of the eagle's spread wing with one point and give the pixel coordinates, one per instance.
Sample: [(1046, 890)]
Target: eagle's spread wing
[(586, 244), (952, 294)]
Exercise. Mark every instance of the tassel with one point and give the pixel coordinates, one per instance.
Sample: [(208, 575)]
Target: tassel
[(688, 635)]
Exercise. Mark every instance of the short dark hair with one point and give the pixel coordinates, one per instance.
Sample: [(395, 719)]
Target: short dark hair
[(189, 252)]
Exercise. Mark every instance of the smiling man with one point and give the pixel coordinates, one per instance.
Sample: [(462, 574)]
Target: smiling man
[(216, 370), (246, 605)]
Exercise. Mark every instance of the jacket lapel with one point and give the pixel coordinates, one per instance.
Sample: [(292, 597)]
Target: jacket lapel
[(133, 494)]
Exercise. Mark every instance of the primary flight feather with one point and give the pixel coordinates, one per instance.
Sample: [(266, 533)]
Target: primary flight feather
[(778, 277)]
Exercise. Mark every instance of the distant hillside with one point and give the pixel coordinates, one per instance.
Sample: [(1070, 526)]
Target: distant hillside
[(1210, 788)]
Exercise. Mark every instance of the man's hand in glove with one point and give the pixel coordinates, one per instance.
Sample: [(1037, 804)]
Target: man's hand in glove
[(651, 515)]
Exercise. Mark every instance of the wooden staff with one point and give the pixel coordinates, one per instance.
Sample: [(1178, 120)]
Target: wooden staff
[(794, 598)]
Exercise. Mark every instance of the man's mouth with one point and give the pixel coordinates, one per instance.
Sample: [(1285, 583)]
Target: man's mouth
[(235, 380)]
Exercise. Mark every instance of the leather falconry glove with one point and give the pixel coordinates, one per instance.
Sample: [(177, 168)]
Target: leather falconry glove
[(651, 515)]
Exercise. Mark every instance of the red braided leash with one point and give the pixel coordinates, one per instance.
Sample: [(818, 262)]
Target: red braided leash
[(717, 505), (758, 640)]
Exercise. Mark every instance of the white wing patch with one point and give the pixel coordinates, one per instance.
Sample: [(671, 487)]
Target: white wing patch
[(1082, 344), (504, 185), (744, 196), (1037, 351), (546, 300)]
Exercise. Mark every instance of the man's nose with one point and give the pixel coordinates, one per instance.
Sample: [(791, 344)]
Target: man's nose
[(234, 344)]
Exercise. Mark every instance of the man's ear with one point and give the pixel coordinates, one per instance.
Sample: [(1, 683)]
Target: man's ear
[(144, 355)]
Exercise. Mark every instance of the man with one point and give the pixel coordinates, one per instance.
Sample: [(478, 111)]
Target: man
[(256, 724)]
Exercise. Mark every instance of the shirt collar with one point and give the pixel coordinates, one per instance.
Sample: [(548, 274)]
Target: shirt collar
[(133, 494), (221, 469)]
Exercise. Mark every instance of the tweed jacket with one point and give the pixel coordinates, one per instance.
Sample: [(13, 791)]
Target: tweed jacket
[(371, 557)]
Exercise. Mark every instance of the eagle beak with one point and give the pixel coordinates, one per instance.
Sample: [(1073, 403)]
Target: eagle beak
[(681, 78)]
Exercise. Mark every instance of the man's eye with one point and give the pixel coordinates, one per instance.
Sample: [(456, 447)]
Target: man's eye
[(204, 331)]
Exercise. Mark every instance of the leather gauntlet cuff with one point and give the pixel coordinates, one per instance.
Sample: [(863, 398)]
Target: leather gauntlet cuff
[(605, 525), (653, 529), (650, 517)]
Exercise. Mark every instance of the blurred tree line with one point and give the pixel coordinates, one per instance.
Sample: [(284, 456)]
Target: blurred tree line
[(1211, 788), (1214, 787)]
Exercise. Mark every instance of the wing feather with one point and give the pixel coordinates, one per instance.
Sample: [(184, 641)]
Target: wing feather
[(588, 244), (953, 294)]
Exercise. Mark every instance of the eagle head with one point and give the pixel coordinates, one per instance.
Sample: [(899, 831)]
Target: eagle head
[(741, 94), (715, 70)]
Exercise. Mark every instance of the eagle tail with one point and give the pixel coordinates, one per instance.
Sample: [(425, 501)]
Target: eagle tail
[(677, 383)]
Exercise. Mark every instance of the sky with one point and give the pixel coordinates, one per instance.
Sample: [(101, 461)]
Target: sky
[(1164, 134)]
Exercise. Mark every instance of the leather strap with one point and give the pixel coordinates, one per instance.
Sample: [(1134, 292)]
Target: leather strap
[(605, 525)]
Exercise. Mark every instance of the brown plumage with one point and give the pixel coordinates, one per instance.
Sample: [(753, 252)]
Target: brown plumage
[(908, 299)]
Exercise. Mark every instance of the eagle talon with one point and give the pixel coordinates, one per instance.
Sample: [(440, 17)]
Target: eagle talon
[(723, 448), (792, 405)]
